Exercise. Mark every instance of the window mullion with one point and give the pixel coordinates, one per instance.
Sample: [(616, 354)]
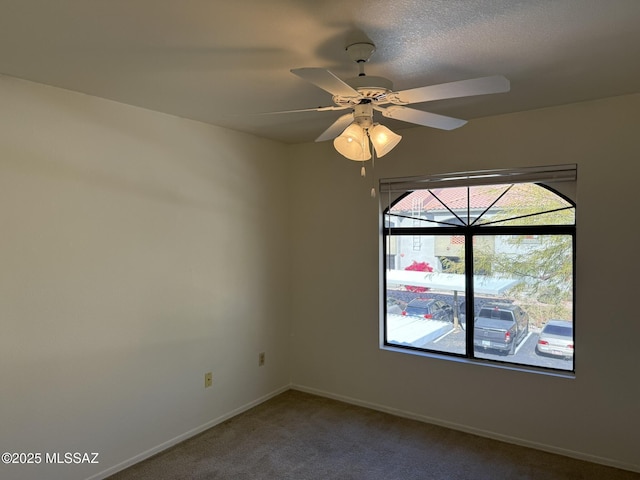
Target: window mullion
[(469, 293)]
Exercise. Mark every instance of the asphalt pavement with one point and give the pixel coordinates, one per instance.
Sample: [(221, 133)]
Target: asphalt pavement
[(525, 354)]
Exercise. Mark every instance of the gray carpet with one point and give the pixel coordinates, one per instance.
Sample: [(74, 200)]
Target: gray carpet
[(299, 436)]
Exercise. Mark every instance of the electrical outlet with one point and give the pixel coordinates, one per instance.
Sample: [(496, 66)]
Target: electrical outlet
[(208, 379), (261, 359)]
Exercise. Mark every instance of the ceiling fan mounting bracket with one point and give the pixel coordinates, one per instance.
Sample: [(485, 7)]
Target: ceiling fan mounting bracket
[(368, 87), (360, 52)]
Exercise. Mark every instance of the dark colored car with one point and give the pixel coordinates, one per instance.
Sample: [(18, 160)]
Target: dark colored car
[(429, 308)]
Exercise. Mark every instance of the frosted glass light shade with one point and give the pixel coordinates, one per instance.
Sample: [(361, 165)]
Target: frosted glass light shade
[(353, 143), (383, 139)]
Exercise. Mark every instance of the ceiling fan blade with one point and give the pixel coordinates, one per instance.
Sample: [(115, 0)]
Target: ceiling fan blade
[(421, 118), (336, 127), (463, 88), (317, 109), (326, 80)]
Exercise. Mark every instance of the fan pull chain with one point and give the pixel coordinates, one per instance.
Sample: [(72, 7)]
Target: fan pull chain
[(373, 177)]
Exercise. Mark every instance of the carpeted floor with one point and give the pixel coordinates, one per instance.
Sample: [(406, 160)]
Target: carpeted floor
[(299, 436)]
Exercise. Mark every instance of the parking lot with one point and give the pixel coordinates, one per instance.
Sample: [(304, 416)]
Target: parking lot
[(525, 353), (454, 340)]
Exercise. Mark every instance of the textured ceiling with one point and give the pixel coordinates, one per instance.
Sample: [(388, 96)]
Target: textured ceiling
[(221, 62)]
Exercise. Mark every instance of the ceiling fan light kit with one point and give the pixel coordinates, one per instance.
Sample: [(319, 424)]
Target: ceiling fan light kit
[(353, 143), (383, 139)]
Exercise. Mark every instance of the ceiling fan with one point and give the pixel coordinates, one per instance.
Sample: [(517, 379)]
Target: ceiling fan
[(365, 94)]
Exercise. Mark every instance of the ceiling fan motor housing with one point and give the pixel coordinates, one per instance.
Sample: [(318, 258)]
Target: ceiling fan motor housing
[(370, 86), (374, 89)]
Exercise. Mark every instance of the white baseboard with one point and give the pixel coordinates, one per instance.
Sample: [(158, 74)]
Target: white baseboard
[(181, 438), (475, 431)]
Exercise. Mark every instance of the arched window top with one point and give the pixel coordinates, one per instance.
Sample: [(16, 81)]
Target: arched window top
[(482, 205)]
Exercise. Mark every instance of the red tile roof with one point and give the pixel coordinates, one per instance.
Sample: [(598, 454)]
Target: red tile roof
[(455, 198)]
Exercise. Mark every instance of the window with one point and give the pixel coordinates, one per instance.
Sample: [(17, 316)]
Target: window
[(491, 264)]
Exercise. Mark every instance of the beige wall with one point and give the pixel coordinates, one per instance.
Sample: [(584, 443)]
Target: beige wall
[(137, 252), (336, 273)]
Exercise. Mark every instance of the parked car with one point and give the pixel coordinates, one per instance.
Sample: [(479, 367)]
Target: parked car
[(429, 308), (556, 338), (500, 326), (395, 306)]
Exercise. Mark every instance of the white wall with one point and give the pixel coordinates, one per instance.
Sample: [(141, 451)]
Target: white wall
[(336, 273), (137, 252)]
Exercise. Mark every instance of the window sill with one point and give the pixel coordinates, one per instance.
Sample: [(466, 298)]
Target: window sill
[(481, 362)]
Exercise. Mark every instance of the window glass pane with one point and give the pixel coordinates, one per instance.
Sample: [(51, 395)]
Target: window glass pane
[(426, 208), (424, 306), (563, 217), (513, 205), (522, 204), (530, 321)]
